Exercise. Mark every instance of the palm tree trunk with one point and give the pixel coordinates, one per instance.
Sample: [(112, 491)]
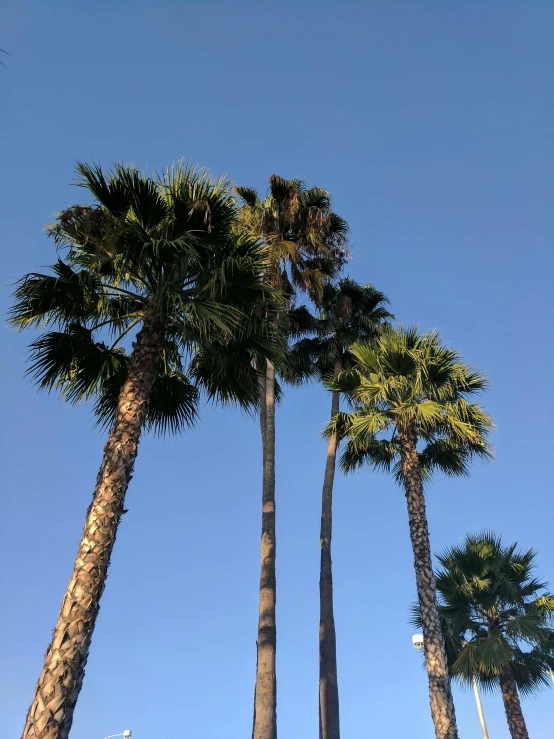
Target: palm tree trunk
[(440, 694), (329, 724), (51, 713), (265, 696), (512, 706)]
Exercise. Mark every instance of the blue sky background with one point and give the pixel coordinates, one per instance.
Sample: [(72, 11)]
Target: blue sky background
[(431, 124)]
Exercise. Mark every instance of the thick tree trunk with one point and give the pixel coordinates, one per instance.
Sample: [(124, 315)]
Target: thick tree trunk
[(512, 706), (442, 705), (329, 724), (51, 713), (265, 697)]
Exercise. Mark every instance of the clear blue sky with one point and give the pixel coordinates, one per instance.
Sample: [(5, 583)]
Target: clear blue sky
[(431, 124)]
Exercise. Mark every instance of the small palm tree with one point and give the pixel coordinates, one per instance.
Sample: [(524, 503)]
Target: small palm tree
[(307, 244), (161, 256), (411, 416), (348, 313), (497, 620)]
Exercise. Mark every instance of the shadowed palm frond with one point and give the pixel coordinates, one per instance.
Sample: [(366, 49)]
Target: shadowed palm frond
[(173, 404), (248, 194), (66, 296), (72, 363)]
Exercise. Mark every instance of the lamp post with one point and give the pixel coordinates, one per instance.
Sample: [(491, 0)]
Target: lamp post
[(125, 734), (418, 642), (480, 709)]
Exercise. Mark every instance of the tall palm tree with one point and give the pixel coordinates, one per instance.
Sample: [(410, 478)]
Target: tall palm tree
[(348, 313), (158, 255), (497, 620), (411, 416), (307, 243)]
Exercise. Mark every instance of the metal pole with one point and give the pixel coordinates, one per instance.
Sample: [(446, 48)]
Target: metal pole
[(480, 709)]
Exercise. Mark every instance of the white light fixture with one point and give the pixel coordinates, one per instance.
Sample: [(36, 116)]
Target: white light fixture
[(417, 641), (125, 734)]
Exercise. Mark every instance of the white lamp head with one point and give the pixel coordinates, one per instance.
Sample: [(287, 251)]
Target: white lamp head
[(127, 734), (417, 641)]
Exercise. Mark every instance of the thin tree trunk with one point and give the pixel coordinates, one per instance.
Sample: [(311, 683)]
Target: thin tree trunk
[(265, 697), (329, 724), (440, 694), (512, 706), (51, 713)]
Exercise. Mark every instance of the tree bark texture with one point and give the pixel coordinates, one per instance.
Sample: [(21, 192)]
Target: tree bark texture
[(265, 697), (329, 723), (440, 694), (512, 706), (51, 713)]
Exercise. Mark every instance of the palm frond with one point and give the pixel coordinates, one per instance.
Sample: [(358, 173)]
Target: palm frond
[(248, 194), (379, 454), (63, 297), (72, 363)]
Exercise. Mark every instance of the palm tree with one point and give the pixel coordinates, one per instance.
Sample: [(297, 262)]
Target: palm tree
[(348, 313), (411, 416), (498, 624), (158, 255), (307, 242)]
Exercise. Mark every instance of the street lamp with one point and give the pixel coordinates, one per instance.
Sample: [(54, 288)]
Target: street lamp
[(418, 642), (125, 734)]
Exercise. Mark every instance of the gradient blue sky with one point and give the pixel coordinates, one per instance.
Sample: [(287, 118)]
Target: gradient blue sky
[(431, 124)]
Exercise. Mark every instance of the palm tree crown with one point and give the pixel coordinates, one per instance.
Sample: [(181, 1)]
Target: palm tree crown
[(163, 249), (410, 383), (347, 314), (307, 239), (495, 613)]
